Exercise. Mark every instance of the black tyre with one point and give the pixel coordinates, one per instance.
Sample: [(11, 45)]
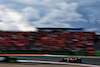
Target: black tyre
[(64, 60), (79, 61)]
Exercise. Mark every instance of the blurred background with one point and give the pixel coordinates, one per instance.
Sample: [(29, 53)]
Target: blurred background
[(66, 41), (68, 27)]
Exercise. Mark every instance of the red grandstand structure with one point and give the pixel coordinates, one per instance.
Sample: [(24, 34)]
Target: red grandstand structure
[(48, 39)]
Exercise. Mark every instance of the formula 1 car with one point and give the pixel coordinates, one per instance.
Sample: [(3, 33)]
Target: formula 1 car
[(71, 59), (6, 58)]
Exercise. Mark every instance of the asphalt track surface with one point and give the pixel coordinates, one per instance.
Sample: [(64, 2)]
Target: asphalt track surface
[(33, 65), (94, 61)]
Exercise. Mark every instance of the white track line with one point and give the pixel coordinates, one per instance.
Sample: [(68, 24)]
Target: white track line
[(77, 64), (71, 56)]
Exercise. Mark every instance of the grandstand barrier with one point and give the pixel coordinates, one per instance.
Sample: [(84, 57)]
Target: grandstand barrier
[(91, 53), (80, 53), (38, 52), (12, 60), (77, 53), (97, 53)]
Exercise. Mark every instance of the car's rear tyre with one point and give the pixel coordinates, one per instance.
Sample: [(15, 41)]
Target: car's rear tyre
[(64, 60)]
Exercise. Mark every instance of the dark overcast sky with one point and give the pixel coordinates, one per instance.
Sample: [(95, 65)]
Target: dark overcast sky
[(27, 14)]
